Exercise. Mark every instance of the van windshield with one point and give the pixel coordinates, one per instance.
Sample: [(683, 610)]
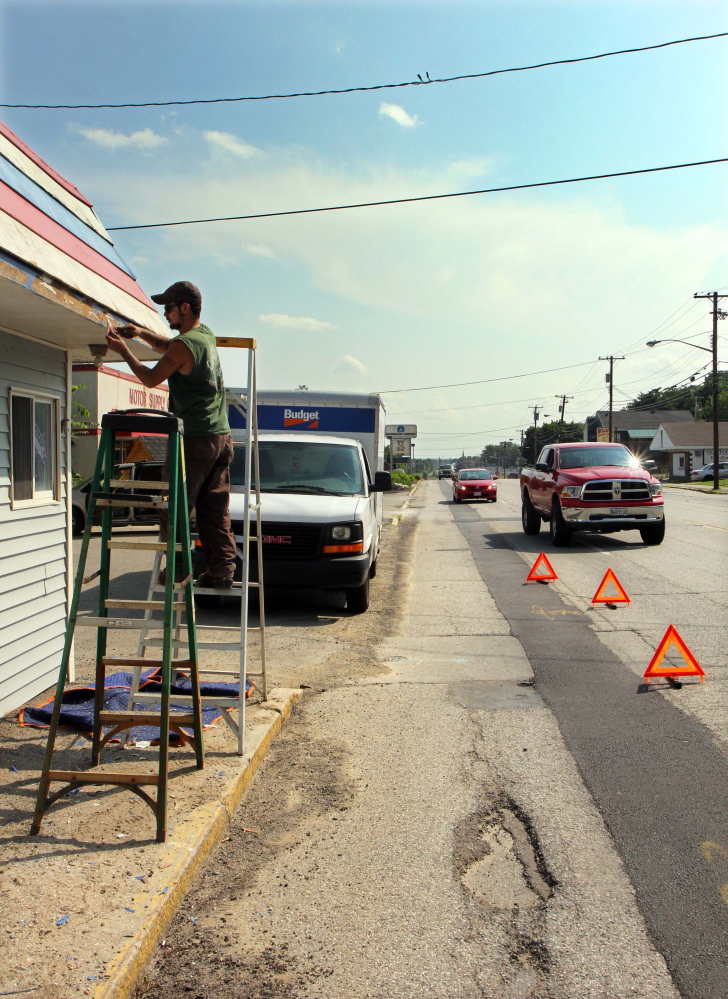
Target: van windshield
[(303, 467)]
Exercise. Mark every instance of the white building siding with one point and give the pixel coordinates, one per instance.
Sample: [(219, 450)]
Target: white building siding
[(33, 538)]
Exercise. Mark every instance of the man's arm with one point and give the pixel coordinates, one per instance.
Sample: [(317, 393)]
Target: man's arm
[(155, 341), (177, 355)]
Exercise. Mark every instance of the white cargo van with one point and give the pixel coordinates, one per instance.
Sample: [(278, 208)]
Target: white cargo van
[(321, 478)]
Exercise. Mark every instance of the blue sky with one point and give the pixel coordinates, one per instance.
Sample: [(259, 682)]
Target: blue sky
[(412, 295)]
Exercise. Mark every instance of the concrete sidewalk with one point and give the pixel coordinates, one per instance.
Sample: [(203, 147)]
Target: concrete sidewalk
[(453, 850)]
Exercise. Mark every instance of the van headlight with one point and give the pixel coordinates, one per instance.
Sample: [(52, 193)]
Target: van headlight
[(573, 492), (656, 488), (341, 533)]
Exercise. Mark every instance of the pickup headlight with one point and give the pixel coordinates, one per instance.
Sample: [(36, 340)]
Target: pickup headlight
[(656, 488), (573, 492)]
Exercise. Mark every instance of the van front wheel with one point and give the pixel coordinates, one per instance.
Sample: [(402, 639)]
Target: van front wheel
[(357, 598)]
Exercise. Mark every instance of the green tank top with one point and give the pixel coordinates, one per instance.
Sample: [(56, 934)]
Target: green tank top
[(199, 398)]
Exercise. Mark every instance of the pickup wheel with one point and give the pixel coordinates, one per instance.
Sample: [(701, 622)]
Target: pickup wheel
[(357, 598), (561, 535), (79, 521), (654, 534), (530, 518)]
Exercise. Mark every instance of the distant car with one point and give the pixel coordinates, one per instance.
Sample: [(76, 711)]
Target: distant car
[(446, 472), (475, 484), (705, 474), (122, 516)]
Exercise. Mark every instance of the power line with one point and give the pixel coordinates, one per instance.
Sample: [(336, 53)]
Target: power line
[(422, 197), (484, 381), (426, 81)]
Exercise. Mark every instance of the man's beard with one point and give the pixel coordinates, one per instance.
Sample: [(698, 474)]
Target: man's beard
[(175, 326)]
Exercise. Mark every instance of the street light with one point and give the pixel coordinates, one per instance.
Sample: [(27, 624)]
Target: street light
[(716, 425)]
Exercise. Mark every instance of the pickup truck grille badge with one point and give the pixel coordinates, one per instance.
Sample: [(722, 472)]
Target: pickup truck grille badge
[(616, 491)]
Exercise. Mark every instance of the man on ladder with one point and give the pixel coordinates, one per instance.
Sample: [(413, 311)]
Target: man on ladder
[(191, 367)]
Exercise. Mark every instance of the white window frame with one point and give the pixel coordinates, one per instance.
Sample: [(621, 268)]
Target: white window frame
[(51, 497)]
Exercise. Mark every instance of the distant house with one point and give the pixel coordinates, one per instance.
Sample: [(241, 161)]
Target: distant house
[(100, 389), (689, 446), (61, 283), (634, 427)]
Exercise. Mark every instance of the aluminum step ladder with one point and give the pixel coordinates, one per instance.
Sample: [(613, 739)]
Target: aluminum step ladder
[(246, 403), (106, 493)]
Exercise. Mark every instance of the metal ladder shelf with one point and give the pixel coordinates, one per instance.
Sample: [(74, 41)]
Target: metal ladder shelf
[(240, 590), (107, 724)]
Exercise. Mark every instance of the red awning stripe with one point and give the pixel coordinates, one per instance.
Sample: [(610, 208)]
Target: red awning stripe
[(35, 220), (66, 184)]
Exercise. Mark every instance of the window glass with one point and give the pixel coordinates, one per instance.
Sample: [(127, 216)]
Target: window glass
[(44, 471), (479, 474), (22, 418), (303, 467), (585, 457)]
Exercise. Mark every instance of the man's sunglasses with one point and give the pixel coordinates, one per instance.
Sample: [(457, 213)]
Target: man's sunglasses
[(169, 306)]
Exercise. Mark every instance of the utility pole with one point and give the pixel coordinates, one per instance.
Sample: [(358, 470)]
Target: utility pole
[(535, 433), (610, 379), (717, 314), (562, 410)]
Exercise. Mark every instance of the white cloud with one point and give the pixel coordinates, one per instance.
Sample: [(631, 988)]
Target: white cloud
[(349, 363), (140, 260), (104, 137), (477, 167), (232, 144), (259, 250), (281, 321), (398, 114), (340, 45)]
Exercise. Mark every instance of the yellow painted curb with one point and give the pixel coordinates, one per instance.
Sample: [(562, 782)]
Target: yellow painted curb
[(182, 856)]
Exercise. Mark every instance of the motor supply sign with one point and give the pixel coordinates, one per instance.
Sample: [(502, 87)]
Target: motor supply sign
[(325, 419)]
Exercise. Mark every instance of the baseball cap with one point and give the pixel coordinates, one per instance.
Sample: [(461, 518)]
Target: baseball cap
[(180, 291)]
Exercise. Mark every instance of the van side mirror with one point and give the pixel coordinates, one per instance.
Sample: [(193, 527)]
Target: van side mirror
[(382, 482)]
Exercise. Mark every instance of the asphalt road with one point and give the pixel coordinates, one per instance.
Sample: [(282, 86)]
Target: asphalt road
[(654, 760), (474, 799)]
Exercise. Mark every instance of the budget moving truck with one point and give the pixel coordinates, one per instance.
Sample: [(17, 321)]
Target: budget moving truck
[(321, 456)]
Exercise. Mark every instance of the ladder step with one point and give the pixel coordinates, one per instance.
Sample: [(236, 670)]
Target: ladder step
[(219, 646), (146, 663), (118, 622), (141, 718), (142, 546), (207, 702), (137, 484), (143, 502), (105, 777), (142, 605)]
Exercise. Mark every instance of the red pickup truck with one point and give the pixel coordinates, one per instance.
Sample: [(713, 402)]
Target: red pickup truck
[(591, 487)]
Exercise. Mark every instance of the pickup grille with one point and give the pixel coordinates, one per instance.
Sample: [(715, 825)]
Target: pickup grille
[(616, 491), (285, 540)]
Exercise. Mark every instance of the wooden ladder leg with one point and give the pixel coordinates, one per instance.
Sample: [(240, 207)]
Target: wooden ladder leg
[(44, 786)]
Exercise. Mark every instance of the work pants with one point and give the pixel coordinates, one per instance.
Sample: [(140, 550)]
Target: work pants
[(207, 468)]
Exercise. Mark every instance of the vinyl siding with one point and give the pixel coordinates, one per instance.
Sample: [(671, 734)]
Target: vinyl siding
[(32, 540)]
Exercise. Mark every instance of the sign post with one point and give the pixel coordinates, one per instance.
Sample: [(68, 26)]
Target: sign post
[(400, 442)]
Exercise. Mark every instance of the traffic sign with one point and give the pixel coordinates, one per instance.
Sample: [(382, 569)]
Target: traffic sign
[(400, 430), (601, 598), (691, 668)]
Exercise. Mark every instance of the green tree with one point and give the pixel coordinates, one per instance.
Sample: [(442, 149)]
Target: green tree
[(696, 397), (550, 433)]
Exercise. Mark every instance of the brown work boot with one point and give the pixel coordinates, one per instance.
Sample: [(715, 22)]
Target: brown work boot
[(210, 582)]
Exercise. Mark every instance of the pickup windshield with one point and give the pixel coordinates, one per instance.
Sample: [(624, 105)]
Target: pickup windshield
[(587, 457), (303, 467)]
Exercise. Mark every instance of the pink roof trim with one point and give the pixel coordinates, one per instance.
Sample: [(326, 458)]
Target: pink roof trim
[(71, 188)]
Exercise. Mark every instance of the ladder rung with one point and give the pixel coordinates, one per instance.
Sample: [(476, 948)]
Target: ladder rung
[(149, 663), (105, 777), (220, 646), (146, 502), (217, 627), (137, 484), (118, 622), (141, 718), (207, 702), (209, 590), (142, 605), (143, 546)]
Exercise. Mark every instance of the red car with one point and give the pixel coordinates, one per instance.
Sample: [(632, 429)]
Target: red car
[(474, 484)]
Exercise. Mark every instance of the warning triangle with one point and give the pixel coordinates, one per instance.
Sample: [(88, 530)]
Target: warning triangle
[(691, 668), (600, 596), (541, 569)]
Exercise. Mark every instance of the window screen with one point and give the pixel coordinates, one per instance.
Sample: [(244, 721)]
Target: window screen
[(22, 417), (44, 472)]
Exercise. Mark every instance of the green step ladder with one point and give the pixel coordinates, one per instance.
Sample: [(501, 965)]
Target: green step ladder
[(106, 493)]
